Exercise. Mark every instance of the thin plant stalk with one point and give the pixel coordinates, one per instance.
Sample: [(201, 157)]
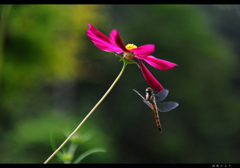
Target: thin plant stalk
[(50, 157)]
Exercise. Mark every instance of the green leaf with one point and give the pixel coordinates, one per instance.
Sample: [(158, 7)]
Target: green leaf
[(79, 138), (89, 152), (133, 62), (53, 145)]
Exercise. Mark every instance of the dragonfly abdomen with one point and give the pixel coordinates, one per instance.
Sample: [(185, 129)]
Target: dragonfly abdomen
[(157, 118)]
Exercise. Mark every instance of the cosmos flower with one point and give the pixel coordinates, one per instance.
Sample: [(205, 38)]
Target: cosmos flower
[(115, 44)]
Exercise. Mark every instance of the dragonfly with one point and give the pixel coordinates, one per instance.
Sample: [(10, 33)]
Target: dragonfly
[(154, 101)]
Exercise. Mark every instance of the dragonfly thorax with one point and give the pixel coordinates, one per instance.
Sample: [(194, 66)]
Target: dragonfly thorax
[(149, 95)]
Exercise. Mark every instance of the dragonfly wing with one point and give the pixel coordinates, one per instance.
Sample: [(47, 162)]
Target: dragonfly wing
[(139, 94), (144, 100), (160, 96), (147, 103), (167, 106)]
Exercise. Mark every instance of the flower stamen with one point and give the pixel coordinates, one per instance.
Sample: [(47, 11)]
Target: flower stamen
[(130, 46)]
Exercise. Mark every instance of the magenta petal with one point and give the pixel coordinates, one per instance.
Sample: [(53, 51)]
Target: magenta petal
[(144, 50), (159, 63), (116, 39), (150, 78), (102, 41), (95, 32)]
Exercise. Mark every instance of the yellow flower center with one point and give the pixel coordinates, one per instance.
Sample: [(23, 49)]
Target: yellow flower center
[(129, 55), (130, 46)]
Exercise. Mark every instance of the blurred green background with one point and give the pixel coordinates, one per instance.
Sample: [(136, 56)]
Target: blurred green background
[(51, 75)]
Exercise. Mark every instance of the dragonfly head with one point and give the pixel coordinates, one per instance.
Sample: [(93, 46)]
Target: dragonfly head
[(149, 90)]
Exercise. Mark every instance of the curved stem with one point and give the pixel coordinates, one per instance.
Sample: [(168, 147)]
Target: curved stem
[(124, 66)]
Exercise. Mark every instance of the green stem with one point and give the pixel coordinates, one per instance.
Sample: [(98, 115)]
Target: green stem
[(124, 66)]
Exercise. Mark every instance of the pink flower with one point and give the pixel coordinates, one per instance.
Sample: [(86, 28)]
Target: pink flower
[(115, 44), (150, 78)]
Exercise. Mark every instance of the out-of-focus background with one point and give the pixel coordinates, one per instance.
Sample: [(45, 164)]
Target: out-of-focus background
[(51, 75)]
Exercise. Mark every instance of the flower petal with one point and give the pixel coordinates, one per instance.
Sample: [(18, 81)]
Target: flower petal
[(102, 41), (116, 39), (150, 78), (144, 50), (97, 33), (159, 63)]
